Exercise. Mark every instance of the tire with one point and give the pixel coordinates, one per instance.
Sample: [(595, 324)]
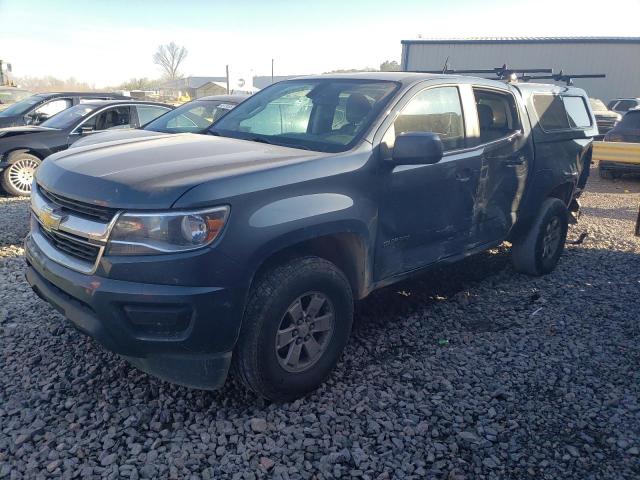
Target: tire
[(528, 253), (272, 307), (17, 177)]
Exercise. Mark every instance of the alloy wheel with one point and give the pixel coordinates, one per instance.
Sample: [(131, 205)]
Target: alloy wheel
[(552, 238), (21, 174), (304, 332)]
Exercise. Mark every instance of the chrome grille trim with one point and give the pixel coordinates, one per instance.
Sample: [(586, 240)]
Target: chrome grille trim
[(81, 227), (84, 209), (60, 257), (76, 242)]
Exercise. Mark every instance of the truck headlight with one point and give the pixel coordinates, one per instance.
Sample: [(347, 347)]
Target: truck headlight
[(166, 232)]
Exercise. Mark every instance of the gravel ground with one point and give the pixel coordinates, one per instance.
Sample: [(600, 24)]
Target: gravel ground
[(471, 372)]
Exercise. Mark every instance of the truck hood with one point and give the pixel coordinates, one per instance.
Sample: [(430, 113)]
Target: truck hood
[(153, 172)]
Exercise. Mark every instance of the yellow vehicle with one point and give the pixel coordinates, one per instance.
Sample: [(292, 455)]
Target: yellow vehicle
[(616, 158)]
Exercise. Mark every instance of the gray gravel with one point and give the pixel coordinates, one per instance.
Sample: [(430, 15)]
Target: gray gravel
[(471, 372)]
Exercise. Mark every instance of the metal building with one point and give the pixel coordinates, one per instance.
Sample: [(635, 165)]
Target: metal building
[(617, 57)]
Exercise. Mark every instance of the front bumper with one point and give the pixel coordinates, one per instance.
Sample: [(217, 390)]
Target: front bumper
[(183, 334)]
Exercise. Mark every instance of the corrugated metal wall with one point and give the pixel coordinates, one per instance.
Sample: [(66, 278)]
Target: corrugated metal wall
[(619, 61)]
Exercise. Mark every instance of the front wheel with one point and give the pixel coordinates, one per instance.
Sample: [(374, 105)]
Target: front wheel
[(538, 252), (296, 325), (18, 176)]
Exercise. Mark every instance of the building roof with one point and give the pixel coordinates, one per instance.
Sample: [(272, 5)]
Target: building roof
[(489, 40), (191, 82)]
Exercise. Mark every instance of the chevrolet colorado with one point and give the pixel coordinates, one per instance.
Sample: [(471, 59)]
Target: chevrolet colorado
[(245, 249)]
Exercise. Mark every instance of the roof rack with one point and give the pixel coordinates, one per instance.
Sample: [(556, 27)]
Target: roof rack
[(514, 74), (562, 77)]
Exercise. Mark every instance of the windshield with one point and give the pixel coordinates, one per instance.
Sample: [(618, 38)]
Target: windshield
[(597, 105), (21, 107), (8, 96), (68, 117), (192, 117), (326, 115)]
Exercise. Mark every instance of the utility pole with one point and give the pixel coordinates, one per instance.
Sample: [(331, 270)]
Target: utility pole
[(272, 70), (228, 91), (1, 75)]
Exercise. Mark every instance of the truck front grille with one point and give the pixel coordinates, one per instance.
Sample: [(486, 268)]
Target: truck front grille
[(83, 209), (72, 245), (605, 124)]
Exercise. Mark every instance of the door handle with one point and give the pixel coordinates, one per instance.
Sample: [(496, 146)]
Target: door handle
[(463, 175), (514, 162)]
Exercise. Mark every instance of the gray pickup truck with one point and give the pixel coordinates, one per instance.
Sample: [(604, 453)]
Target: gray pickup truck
[(245, 249)]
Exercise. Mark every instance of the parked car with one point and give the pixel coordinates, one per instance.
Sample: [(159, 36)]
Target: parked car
[(192, 117), (625, 158), (605, 118), (10, 95), (245, 249), (38, 108), (22, 149), (623, 105)]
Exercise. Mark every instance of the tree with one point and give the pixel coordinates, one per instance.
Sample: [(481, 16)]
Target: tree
[(169, 57), (53, 84), (389, 66), (139, 84)]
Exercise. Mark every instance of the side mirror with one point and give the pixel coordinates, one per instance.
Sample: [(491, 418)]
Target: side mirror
[(86, 130), (417, 148)]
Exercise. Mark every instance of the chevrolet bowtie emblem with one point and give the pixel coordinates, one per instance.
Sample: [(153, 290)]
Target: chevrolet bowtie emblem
[(50, 218)]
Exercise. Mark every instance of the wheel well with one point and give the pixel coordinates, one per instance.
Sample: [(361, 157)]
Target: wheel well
[(8, 155), (563, 192), (345, 250)]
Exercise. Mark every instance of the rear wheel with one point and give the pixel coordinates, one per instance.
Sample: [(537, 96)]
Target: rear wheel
[(538, 252), (18, 176), (296, 325)]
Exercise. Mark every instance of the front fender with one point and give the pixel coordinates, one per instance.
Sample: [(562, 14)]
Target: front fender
[(254, 235)]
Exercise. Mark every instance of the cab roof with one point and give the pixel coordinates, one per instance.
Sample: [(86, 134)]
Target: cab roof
[(405, 78)]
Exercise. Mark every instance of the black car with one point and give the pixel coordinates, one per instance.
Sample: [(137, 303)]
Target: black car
[(38, 108), (23, 148), (192, 117), (247, 248), (627, 130), (605, 118)]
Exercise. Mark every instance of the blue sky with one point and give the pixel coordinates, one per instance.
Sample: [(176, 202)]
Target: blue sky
[(106, 42)]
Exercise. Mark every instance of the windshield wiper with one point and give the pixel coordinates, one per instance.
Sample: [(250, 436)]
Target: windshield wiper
[(269, 142), (260, 140)]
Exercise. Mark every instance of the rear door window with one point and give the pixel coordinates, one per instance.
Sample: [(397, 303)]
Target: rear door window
[(497, 114)]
